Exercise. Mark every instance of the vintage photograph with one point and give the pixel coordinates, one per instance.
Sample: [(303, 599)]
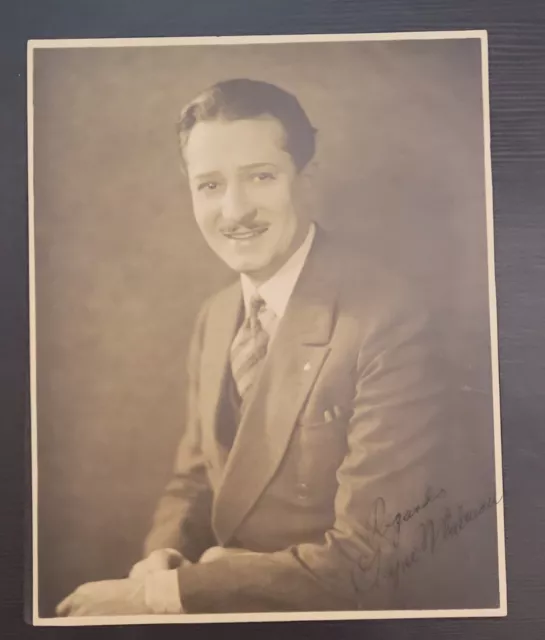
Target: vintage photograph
[(264, 360)]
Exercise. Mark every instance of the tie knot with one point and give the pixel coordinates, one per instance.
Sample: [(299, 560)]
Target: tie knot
[(256, 305)]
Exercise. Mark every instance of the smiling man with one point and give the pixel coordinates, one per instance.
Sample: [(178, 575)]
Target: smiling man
[(245, 190), (317, 413)]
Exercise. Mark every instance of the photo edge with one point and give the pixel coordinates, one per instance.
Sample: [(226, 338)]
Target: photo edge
[(482, 35), (301, 38)]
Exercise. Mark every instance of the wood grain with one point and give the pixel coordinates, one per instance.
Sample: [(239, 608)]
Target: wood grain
[(517, 73)]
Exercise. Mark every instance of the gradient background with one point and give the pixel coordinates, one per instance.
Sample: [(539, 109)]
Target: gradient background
[(121, 268)]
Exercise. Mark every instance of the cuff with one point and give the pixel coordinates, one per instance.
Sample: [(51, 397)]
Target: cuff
[(162, 592)]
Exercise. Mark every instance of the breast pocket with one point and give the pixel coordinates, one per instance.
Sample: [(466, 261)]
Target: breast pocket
[(319, 449)]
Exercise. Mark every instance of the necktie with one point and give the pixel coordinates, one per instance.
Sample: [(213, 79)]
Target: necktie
[(249, 348)]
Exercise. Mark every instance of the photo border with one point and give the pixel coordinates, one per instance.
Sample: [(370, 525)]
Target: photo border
[(501, 610)]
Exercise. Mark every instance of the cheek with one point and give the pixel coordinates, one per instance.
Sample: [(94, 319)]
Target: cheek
[(277, 200), (205, 214)]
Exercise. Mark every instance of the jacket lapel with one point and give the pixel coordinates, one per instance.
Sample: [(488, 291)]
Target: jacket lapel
[(221, 327), (295, 358)]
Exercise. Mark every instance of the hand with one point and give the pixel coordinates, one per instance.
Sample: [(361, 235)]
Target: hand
[(106, 598), (215, 553), (158, 560)]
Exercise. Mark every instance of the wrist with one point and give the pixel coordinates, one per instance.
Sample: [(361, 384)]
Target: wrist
[(162, 592)]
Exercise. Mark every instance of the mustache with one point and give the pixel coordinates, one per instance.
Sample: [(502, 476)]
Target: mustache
[(237, 228)]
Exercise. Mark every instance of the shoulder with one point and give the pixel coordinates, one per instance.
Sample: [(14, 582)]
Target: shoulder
[(221, 303), (367, 287), (381, 312), (222, 298)]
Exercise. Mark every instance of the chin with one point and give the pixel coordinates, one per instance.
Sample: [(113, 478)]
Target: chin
[(249, 269), (246, 264)]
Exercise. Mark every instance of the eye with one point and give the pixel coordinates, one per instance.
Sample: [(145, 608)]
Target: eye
[(208, 186), (263, 176)]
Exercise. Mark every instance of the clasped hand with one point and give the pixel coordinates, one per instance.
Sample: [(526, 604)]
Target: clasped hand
[(118, 597)]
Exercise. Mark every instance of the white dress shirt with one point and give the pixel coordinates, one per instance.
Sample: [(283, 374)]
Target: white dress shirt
[(162, 588), (277, 290)]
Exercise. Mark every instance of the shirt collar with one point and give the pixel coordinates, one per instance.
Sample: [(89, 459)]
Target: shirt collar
[(277, 290)]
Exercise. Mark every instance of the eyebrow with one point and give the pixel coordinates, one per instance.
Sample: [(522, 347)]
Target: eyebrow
[(257, 165), (206, 176), (246, 167)]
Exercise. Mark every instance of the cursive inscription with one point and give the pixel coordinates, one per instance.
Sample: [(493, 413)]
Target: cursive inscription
[(393, 555), (389, 530)]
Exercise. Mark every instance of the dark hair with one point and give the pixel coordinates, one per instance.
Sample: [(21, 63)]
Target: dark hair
[(243, 98)]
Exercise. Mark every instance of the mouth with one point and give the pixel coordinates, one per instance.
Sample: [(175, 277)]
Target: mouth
[(245, 234)]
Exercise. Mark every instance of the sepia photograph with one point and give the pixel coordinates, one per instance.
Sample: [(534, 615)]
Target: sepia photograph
[(263, 341)]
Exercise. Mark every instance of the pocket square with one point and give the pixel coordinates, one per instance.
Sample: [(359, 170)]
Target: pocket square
[(332, 414)]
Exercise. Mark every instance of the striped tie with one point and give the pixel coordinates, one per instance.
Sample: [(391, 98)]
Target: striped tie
[(249, 348)]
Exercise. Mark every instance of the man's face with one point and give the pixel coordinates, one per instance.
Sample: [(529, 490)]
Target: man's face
[(245, 190)]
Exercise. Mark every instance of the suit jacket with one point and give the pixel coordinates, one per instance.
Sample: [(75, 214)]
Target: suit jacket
[(337, 511)]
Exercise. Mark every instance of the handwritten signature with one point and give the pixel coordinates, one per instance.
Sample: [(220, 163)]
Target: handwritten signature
[(389, 559)]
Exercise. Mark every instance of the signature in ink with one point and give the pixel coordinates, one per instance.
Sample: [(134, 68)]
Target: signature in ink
[(388, 561), (389, 530)]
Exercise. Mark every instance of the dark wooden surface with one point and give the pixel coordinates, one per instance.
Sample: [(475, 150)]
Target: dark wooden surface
[(517, 83)]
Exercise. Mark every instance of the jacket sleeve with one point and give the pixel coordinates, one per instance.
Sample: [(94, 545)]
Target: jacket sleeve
[(182, 518), (398, 476)]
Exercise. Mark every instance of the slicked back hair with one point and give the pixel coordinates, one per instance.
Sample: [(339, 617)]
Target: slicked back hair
[(244, 99)]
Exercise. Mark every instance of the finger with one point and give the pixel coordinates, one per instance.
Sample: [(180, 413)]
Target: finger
[(327, 416), (174, 559), (138, 571), (230, 551), (86, 609), (211, 554), (76, 611), (337, 411), (157, 564), (156, 561), (64, 607)]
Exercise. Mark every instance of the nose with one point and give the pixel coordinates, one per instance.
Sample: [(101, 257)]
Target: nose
[(235, 205)]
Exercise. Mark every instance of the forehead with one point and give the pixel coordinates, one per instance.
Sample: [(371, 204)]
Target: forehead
[(223, 145)]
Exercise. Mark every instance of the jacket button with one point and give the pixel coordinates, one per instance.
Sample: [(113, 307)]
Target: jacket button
[(302, 490)]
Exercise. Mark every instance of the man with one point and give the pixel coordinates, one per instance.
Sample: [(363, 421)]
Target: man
[(317, 453)]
